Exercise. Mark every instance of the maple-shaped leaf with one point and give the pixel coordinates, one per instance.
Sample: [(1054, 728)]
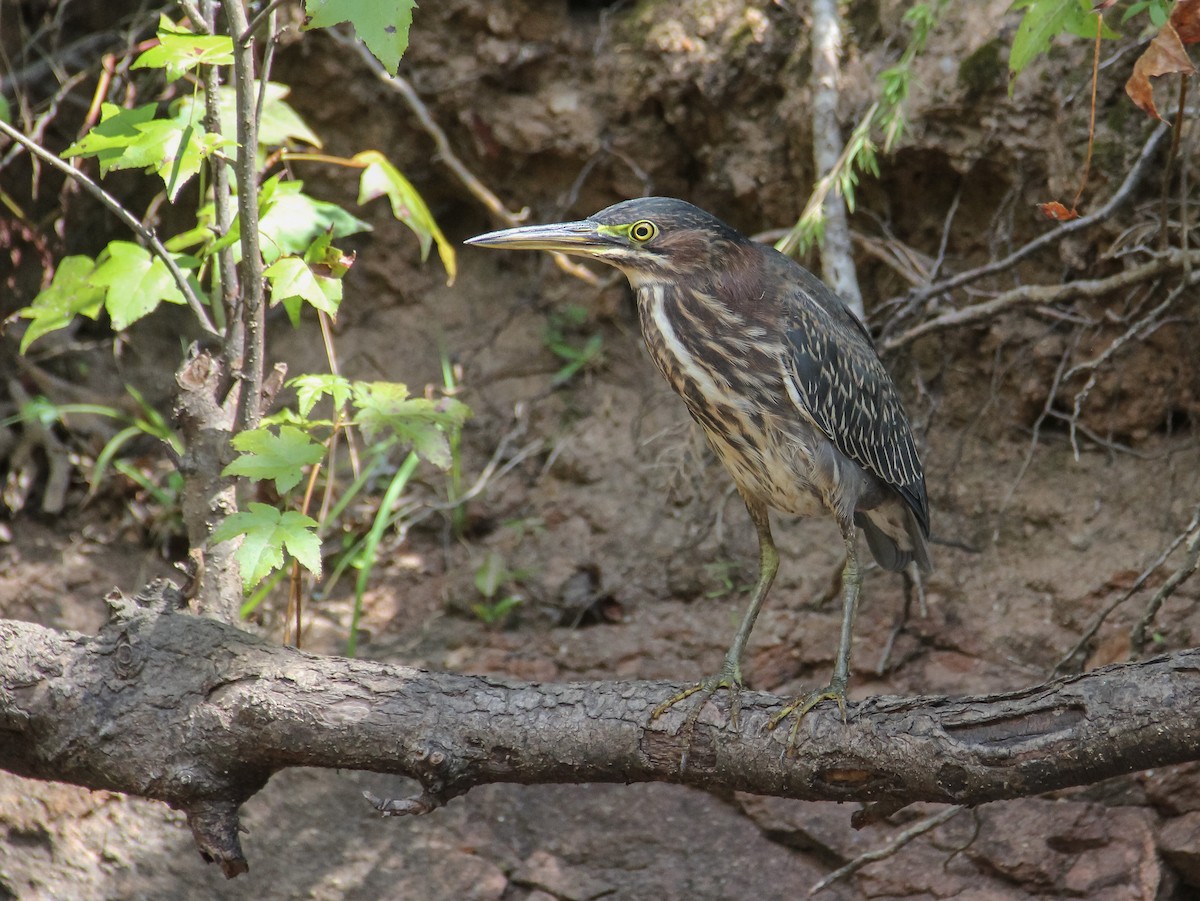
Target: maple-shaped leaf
[(313, 387), (178, 51), (266, 533), (68, 295), (280, 458), (292, 220), (1164, 56), (174, 147), (385, 407), (292, 280), (380, 24), (134, 283)]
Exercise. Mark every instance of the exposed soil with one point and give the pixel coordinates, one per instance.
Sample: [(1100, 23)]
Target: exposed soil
[(634, 552)]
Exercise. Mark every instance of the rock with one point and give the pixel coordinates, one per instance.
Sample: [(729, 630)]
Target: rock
[(1179, 843)]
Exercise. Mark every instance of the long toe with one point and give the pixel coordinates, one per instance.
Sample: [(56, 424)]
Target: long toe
[(728, 678), (800, 707)]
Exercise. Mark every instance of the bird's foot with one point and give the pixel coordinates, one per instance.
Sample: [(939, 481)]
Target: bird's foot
[(802, 705), (729, 678)]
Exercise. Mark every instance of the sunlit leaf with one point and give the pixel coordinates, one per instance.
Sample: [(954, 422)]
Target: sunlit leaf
[(380, 24), (174, 147), (381, 179), (135, 283), (292, 278), (68, 295), (178, 51), (266, 533), (1044, 20), (292, 220), (281, 458), (385, 407), (312, 387)]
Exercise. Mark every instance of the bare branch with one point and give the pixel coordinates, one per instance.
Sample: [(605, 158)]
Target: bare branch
[(127, 218), (446, 154), (916, 830), (837, 260), (1139, 171), (1029, 295), (197, 713)]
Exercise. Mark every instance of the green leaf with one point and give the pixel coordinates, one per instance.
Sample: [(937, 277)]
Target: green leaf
[(281, 458), (381, 24), (266, 533), (135, 283), (113, 136), (291, 220), (381, 179), (280, 123), (291, 277), (1045, 20), (69, 294), (311, 388), (386, 407), (173, 147), (491, 575), (179, 51)]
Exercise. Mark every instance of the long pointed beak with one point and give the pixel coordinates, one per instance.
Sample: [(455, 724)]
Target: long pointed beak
[(583, 238)]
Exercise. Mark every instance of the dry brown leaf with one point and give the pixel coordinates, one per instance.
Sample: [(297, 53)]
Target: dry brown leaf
[(1056, 211), (1185, 19), (1164, 56)]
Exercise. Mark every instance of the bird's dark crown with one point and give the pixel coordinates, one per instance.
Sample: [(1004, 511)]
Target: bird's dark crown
[(669, 215)]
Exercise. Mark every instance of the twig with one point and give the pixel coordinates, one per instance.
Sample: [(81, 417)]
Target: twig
[(142, 231), (1140, 169), (1061, 667), (1172, 155), (1091, 145), (229, 303), (446, 153), (1027, 295), (1137, 638), (252, 296), (899, 841), (266, 12), (1142, 328), (1051, 395), (945, 241)]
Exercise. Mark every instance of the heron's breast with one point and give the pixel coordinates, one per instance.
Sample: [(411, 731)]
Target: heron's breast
[(728, 373)]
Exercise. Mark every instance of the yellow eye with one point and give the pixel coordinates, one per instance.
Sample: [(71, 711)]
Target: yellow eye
[(643, 230)]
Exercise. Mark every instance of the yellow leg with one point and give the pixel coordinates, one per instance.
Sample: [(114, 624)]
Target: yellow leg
[(836, 689), (730, 675)]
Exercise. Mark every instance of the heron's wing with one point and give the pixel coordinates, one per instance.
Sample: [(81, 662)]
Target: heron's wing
[(843, 387)]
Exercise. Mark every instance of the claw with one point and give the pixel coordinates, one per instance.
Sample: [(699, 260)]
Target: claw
[(802, 705), (729, 678), (732, 682)]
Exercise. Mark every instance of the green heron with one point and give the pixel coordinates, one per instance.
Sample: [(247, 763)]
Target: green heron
[(786, 384)]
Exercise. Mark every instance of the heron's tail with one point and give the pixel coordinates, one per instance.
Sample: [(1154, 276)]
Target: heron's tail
[(894, 536)]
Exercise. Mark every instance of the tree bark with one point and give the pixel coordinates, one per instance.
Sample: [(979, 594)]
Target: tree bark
[(198, 714)]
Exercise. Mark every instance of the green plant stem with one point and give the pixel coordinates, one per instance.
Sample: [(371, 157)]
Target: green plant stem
[(382, 519), (132, 222)]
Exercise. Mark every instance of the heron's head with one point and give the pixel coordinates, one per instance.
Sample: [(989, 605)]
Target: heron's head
[(650, 239)]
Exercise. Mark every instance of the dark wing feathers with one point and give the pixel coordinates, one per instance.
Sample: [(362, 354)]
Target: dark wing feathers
[(849, 394)]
